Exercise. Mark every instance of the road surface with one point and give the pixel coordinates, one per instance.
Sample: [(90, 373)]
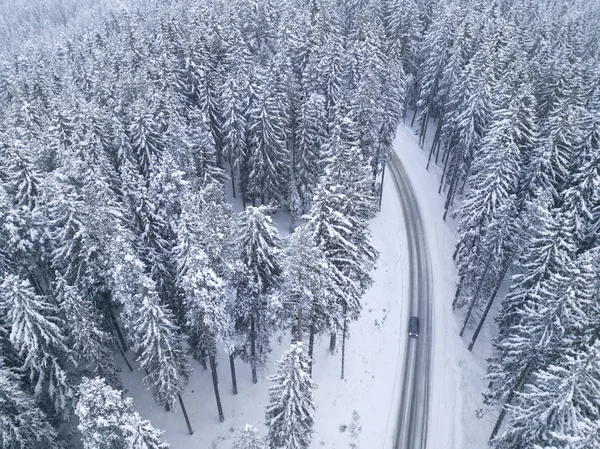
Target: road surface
[(413, 412)]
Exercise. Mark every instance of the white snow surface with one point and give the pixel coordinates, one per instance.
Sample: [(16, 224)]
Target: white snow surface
[(374, 351)]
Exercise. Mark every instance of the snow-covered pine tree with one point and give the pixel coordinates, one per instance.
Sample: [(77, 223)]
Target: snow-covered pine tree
[(343, 237), (157, 343), (267, 152), (309, 294), (36, 333), (557, 408), (291, 409), (146, 137), (532, 320), (466, 119), (235, 107), (495, 179), (154, 237), (22, 424), (310, 140), (107, 421), (90, 344), (248, 438), (101, 412), (259, 274), (206, 307), (203, 150), (139, 434)]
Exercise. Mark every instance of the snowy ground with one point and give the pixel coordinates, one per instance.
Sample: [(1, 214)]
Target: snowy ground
[(374, 351)]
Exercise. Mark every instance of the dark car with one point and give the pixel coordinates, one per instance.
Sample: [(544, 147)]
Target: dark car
[(413, 326)]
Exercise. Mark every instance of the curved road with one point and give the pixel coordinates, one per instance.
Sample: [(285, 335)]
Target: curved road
[(413, 413)]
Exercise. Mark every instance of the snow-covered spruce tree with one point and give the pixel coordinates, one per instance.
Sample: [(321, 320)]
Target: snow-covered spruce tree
[(22, 424), (496, 177), (139, 434), (205, 88), (154, 238), (468, 114), (101, 412), (146, 137), (248, 438), (535, 312), (203, 149), (235, 105), (311, 137), (290, 412), (344, 202), (259, 274), (36, 333), (433, 55), (267, 152), (206, 307), (90, 344), (157, 343), (559, 407), (309, 294), (581, 199), (107, 421), (347, 166)]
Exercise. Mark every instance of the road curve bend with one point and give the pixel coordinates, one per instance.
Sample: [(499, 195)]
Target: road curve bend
[(413, 412)]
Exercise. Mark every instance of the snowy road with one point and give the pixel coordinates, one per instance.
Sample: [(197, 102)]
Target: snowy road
[(413, 412)]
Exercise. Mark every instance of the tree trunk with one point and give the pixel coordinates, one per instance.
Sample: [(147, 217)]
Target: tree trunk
[(474, 299), (185, 415), (203, 353), (489, 305), (429, 158), (437, 150), (450, 197), (509, 399), (344, 339), (443, 175), (213, 367), (332, 342), (311, 345), (381, 186), (113, 319), (232, 179), (424, 130), (233, 378), (412, 123), (253, 349), (436, 138), (299, 331), (125, 358), (457, 294)]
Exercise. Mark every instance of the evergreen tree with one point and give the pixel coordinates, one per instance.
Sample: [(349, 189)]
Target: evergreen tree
[(248, 438), (259, 273), (235, 105), (559, 406), (90, 344), (22, 424), (291, 410), (145, 132), (139, 434), (308, 293), (310, 143), (268, 155), (108, 421), (36, 334), (159, 351)]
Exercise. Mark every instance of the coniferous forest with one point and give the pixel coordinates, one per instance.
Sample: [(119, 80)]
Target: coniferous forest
[(128, 138)]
